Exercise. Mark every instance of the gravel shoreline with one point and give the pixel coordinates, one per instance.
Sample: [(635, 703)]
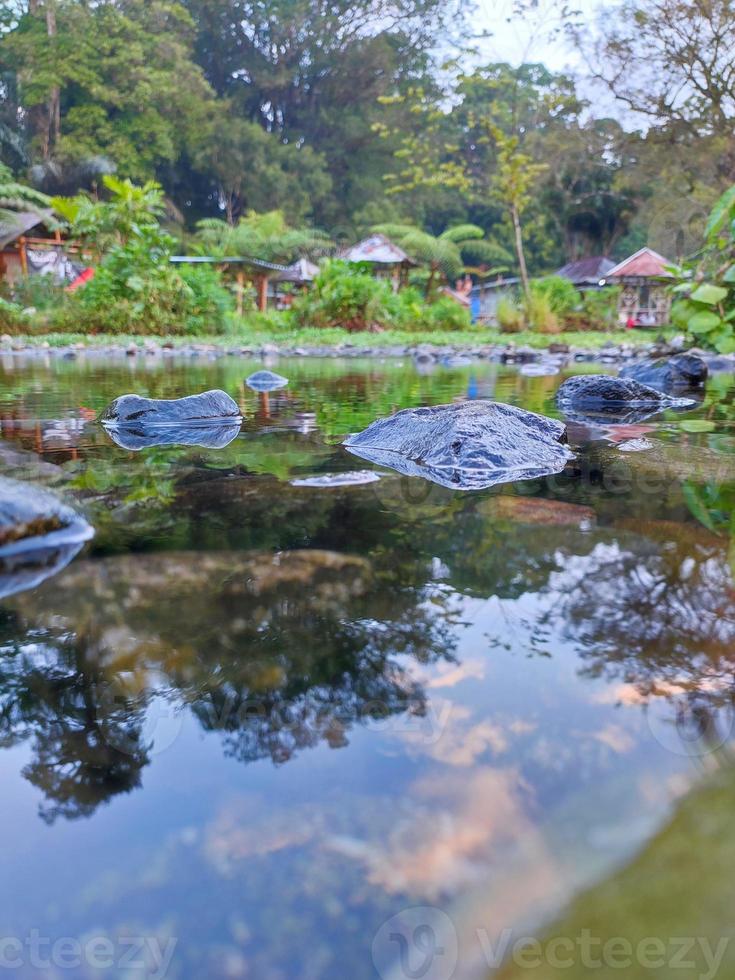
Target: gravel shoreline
[(553, 356)]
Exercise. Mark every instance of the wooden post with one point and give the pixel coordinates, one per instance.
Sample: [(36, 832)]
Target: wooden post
[(263, 293), (23, 255), (240, 289)]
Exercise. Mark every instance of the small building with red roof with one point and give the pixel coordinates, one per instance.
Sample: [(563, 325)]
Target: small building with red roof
[(644, 297)]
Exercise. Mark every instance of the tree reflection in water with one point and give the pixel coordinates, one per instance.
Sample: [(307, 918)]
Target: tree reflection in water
[(276, 651)]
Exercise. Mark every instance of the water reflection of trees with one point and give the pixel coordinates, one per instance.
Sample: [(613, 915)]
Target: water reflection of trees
[(276, 652), (296, 639), (84, 726)]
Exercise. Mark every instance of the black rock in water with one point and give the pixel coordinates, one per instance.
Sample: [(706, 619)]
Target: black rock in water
[(208, 435), (599, 397), (193, 410), (266, 381), (467, 446), (39, 535), (677, 373)]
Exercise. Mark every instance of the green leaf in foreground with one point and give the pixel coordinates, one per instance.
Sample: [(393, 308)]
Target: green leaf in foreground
[(697, 425), (709, 294), (704, 321)]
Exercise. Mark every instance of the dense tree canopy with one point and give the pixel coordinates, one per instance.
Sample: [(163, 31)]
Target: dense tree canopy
[(347, 115)]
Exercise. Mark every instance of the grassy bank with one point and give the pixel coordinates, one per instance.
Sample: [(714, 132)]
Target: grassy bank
[(246, 336)]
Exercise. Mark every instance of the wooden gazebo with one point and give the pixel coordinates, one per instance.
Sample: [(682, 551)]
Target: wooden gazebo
[(644, 298), (258, 271)]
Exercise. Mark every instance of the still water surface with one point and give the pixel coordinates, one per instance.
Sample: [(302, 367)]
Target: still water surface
[(262, 719)]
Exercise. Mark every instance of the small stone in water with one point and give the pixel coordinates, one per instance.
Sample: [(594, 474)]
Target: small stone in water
[(266, 381)]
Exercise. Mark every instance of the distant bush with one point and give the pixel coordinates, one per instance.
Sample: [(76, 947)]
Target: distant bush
[(350, 297), (539, 313), (600, 308), (509, 316), (559, 294), (12, 318)]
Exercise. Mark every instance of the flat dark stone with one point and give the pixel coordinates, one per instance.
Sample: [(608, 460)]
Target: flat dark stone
[(596, 397), (192, 410), (680, 372), (467, 446), (266, 381)]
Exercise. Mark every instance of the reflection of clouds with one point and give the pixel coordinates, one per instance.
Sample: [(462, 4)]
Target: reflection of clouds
[(449, 675), (455, 827), (459, 743), (615, 738), (246, 827)]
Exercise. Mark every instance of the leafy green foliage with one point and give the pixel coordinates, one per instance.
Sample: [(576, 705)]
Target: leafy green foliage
[(265, 236), (705, 307), (135, 286), (349, 296)]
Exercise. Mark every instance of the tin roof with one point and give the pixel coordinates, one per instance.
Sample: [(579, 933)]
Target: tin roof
[(587, 272), (643, 264), (302, 270), (377, 249), (15, 225), (227, 260)]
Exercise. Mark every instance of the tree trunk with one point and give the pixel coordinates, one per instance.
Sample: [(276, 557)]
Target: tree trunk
[(430, 280), (54, 99), (519, 249)]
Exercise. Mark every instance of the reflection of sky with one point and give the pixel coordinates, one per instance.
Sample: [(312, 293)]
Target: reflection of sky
[(522, 780), (511, 772)]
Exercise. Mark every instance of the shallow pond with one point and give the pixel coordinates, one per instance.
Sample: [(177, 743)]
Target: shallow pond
[(261, 728)]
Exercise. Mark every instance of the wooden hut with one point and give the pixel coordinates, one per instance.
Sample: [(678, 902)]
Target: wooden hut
[(15, 242), (644, 298), (388, 260), (588, 274), (257, 271)]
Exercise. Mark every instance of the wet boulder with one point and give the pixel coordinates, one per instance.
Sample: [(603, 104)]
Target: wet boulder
[(600, 397), (203, 409), (677, 373), (39, 535), (266, 381), (467, 446)]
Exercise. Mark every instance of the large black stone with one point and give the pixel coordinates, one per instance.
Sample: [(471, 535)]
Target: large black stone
[(467, 446), (599, 397), (210, 406), (677, 373), (39, 535)]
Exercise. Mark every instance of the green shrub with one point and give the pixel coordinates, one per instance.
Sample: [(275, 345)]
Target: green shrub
[(509, 316), (137, 290), (706, 289), (540, 315), (600, 308), (349, 296), (12, 318), (447, 314), (559, 295)]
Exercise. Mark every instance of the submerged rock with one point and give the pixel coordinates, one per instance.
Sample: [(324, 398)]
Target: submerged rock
[(266, 381), (467, 446), (595, 397), (39, 535), (191, 410), (675, 373), (354, 478)]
